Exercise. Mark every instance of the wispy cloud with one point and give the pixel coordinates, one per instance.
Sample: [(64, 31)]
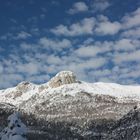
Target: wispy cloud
[(22, 35)]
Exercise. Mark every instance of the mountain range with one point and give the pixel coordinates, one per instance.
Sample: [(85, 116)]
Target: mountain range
[(102, 111)]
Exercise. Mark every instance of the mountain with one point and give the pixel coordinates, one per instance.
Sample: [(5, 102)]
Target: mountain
[(98, 110)]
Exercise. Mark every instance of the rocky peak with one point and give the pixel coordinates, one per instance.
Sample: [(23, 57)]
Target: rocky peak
[(62, 78), (24, 86)]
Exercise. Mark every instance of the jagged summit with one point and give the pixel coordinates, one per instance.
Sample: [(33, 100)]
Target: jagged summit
[(62, 78)]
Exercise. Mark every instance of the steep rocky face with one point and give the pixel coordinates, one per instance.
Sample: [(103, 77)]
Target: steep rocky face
[(62, 78)]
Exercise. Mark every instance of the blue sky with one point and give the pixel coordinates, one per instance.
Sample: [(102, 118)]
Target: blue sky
[(99, 40)]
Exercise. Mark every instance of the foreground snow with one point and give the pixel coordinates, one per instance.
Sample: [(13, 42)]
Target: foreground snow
[(15, 130)]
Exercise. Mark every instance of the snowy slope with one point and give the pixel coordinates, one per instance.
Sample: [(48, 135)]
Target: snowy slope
[(17, 96), (67, 97)]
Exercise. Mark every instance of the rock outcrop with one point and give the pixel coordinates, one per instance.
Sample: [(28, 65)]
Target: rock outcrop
[(62, 78), (24, 86)]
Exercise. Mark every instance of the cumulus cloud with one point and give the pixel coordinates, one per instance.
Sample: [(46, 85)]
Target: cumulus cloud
[(126, 44), (132, 33), (54, 60), (84, 27), (101, 26), (100, 5), (89, 61), (114, 60), (106, 27), (127, 57), (54, 44), (131, 19), (41, 63), (28, 68), (78, 7), (92, 50), (87, 51), (89, 26)]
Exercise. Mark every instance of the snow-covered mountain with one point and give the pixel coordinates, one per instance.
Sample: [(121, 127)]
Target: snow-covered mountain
[(108, 111), (64, 97)]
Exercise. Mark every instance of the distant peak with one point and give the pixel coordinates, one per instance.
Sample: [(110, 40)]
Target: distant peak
[(62, 78)]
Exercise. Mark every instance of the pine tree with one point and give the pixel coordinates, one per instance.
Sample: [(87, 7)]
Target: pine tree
[(15, 130)]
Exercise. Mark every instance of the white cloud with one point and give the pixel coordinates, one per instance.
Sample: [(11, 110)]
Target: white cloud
[(87, 51), (100, 5), (89, 26), (108, 28), (102, 25), (53, 60), (28, 68), (87, 58), (131, 20), (84, 27), (55, 44), (92, 50), (22, 35), (125, 45), (84, 65), (18, 36), (131, 33), (78, 7), (127, 57), (93, 63)]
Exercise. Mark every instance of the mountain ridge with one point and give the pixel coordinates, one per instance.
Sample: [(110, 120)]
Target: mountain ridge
[(66, 97), (89, 110)]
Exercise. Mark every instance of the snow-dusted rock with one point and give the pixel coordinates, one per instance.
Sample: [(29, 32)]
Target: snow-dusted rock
[(62, 78), (64, 97), (24, 86)]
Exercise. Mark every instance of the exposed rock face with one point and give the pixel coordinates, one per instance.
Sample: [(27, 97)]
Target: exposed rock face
[(62, 78), (24, 86)]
